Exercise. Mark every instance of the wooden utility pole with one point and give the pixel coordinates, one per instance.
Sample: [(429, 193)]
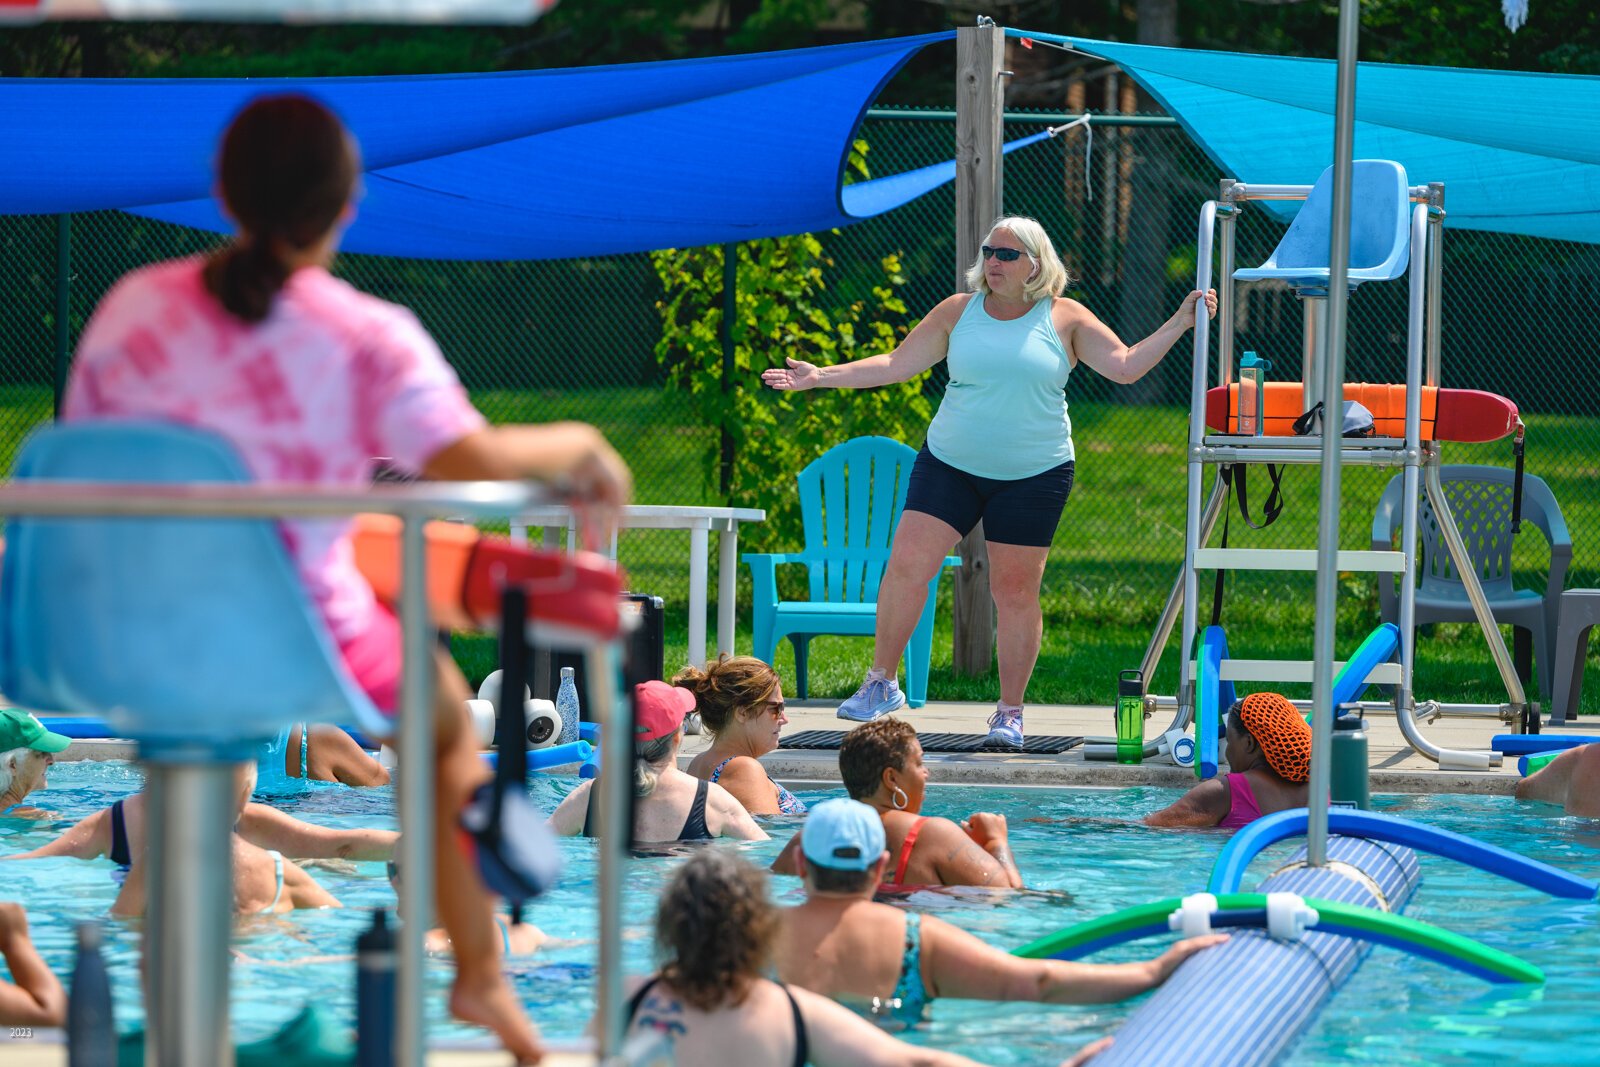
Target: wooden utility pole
[(980, 107)]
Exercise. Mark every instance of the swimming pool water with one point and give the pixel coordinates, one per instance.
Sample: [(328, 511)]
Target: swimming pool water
[(1079, 853)]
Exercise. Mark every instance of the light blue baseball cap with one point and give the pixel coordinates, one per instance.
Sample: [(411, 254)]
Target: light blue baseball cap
[(841, 834)]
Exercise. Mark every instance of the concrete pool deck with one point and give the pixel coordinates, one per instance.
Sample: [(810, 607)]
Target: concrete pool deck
[(1396, 767)]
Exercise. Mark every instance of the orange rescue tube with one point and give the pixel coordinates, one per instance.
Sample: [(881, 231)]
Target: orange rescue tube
[(1447, 414)]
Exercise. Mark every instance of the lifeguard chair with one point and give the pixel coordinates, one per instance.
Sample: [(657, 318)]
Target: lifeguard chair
[(1395, 232)]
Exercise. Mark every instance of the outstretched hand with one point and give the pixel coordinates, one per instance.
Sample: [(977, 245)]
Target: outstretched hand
[(1088, 1052), (1163, 965), (796, 377), (1185, 315), (985, 827)]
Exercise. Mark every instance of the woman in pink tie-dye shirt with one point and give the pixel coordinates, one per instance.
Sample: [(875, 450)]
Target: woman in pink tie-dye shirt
[(311, 379)]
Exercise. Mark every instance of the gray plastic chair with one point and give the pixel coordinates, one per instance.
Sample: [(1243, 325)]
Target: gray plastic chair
[(1580, 613), (1480, 502)]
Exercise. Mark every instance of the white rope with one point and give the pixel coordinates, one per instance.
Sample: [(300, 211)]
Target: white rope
[(1088, 147)]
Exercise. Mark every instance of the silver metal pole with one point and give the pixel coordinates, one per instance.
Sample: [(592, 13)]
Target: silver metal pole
[(1416, 325), (1474, 588), (1314, 350), (1333, 394), (1227, 216), (1197, 433), (1169, 611), (190, 886), (616, 797), (1436, 216), (416, 789)]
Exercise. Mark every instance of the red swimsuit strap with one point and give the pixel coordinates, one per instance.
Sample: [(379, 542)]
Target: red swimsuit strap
[(905, 850)]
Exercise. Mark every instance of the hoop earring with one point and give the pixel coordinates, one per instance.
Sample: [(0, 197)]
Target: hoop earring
[(899, 798)]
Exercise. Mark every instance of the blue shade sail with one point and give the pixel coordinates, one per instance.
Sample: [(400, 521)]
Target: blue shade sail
[(1518, 152), (527, 165)]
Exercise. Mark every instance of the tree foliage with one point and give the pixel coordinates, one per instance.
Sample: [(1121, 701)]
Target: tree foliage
[(781, 310)]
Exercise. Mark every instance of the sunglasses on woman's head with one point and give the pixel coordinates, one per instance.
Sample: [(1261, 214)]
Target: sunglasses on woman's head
[(1004, 255)]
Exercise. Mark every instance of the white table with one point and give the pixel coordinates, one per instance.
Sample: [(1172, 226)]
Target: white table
[(699, 521)]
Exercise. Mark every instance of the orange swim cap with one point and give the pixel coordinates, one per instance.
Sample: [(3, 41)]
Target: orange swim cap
[(1281, 731)]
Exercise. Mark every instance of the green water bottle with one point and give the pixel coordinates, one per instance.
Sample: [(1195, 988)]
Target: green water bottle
[(1130, 717), (1349, 785)]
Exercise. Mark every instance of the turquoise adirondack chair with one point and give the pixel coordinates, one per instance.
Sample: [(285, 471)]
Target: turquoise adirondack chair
[(850, 502)]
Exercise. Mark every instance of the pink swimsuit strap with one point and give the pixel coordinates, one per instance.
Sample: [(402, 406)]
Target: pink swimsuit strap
[(1242, 808)]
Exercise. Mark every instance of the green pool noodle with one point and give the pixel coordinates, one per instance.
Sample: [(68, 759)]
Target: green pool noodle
[(1427, 938)]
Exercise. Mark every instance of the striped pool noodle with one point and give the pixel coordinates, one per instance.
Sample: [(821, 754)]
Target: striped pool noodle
[(1244, 1003)]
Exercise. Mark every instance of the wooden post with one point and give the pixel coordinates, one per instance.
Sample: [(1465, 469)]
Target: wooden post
[(980, 106)]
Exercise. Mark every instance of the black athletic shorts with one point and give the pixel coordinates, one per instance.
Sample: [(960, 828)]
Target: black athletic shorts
[(1024, 511)]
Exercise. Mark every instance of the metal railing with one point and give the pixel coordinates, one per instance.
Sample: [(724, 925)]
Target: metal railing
[(189, 976)]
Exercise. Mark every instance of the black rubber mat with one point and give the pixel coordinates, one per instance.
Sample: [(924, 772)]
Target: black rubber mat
[(1034, 746)]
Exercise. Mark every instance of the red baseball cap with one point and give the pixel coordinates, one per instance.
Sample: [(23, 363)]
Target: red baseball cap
[(658, 709)]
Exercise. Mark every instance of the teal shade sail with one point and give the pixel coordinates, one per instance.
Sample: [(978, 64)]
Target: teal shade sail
[(1518, 152)]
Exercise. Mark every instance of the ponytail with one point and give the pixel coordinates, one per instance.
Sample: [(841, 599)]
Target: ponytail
[(647, 760), (245, 278), (287, 170)]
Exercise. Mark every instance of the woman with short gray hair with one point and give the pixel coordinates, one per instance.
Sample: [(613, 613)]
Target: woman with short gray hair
[(27, 750), (999, 450)]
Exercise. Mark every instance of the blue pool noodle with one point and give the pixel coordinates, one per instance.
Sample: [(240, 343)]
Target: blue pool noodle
[(1532, 744), (1228, 874), (1214, 696), (77, 727), (540, 759), (1379, 647)]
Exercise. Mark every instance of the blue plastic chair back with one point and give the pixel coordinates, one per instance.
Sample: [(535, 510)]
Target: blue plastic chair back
[(1380, 232), (850, 502), (188, 633)]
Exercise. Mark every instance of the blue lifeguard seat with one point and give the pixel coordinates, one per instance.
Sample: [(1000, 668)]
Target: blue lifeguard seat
[(851, 497), (1380, 232), (187, 633)]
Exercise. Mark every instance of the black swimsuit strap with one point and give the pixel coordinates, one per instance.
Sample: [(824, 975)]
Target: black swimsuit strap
[(638, 998), (121, 855), (694, 827), (802, 1047), (588, 810)]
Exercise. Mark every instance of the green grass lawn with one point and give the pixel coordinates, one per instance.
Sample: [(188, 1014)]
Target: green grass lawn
[(1118, 551), (1113, 560)]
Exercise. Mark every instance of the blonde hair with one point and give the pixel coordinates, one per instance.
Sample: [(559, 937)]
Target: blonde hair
[(1050, 275), (728, 690)]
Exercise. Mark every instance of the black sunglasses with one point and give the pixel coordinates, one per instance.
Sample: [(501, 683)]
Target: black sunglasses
[(1004, 255)]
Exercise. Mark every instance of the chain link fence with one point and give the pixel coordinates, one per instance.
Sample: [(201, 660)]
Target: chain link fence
[(529, 343)]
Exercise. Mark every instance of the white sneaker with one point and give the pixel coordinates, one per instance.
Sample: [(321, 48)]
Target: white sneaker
[(876, 698), (1005, 729)]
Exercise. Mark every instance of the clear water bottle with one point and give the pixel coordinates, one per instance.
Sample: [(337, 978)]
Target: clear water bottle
[(567, 706), (1252, 383), (375, 993), (91, 1030)]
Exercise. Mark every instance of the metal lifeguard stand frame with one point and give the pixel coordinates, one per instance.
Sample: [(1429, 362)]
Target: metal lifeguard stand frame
[(191, 733), (1295, 262)]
